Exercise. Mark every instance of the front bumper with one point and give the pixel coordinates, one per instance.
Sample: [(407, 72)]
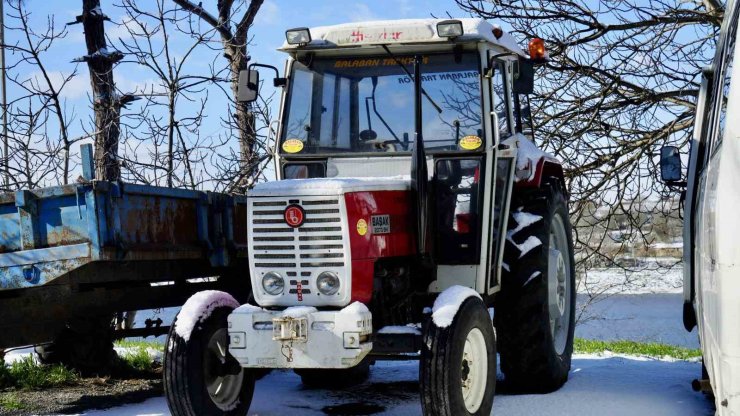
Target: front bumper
[(310, 339)]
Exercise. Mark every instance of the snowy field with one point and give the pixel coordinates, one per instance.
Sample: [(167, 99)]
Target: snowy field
[(603, 386), (647, 308)]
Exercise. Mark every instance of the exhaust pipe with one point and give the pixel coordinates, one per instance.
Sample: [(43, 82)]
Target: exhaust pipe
[(419, 174)]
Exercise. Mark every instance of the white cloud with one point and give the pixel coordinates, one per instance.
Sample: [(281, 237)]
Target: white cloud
[(268, 14), (77, 87), (405, 8), (361, 12)]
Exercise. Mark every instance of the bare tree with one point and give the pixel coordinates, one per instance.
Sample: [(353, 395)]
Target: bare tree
[(39, 136), (621, 82), (106, 102), (234, 42), (171, 134)]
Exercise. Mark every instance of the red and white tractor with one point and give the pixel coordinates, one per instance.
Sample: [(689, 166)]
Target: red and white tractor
[(411, 202)]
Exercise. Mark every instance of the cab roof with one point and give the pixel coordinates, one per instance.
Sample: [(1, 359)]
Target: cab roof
[(400, 32)]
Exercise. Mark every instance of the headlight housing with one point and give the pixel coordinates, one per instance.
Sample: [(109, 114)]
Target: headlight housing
[(450, 29), (273, 283), (328, 283), (298, 36)]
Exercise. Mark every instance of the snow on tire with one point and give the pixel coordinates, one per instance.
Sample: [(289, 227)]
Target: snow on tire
[(201, 378), (535, 309), (458, 363)]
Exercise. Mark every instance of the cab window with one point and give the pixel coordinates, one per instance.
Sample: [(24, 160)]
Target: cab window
[(457, 186), (500, 94)]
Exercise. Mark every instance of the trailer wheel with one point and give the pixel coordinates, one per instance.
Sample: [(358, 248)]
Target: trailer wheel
[(458, 364), (335, 378), (83, 345), (201, 378), (535, 310)]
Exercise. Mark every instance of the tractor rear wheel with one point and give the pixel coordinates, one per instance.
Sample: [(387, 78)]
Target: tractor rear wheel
[(535, 310), (458, 364)]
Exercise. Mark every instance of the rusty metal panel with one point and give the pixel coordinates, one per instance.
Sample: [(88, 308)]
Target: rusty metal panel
[(158, 222)]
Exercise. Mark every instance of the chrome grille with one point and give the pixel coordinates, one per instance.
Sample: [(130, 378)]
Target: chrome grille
[(299, 254)]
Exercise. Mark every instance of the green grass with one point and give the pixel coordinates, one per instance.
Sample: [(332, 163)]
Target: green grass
[(124, 343), (139, 359), (635, 348), (27, 374), (10, 401), (137, 355)]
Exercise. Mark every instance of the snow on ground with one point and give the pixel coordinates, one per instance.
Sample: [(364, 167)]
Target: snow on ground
[(644, 318), (19, 354), (656, 276), (598, 385), (646, 308)]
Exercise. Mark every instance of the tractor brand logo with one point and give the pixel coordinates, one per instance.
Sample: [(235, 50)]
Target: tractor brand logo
[(294, 215), (361, 227)]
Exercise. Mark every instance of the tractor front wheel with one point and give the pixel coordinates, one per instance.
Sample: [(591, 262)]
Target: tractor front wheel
[(201, 378), (458, 364)]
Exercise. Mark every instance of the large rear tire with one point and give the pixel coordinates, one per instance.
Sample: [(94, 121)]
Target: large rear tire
[(458, 364), (201, 378), (535, 310)]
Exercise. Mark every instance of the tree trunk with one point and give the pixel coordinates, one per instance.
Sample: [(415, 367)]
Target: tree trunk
[(243, 116), (105, 101)]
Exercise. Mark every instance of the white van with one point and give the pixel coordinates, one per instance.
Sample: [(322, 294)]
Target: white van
[(712, 220)]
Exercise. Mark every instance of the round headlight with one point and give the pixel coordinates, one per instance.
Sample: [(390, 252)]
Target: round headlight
[(273, 283), (328, 283)]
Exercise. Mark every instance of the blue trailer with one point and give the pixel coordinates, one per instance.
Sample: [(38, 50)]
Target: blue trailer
[(91, 249)]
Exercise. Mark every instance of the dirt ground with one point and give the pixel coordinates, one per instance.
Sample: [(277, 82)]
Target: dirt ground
[(89, 393)]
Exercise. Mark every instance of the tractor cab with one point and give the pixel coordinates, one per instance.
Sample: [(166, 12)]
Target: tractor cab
[(410, 198), (348, 112)]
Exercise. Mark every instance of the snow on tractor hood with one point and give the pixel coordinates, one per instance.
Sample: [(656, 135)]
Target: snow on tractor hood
[(401, 31), (330, 186)]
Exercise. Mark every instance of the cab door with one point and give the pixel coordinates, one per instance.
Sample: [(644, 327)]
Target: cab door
[(501, 173)]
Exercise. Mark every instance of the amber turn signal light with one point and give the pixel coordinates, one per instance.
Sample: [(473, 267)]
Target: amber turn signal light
[(537, 51)]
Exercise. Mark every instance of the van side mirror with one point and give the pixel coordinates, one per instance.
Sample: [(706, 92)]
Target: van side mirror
[(248, 86), (524, 76), (670, 166)]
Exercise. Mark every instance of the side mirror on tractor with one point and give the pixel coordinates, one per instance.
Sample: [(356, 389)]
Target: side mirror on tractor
[(670, 166), (524, 77), (249, 83), (248, 87)]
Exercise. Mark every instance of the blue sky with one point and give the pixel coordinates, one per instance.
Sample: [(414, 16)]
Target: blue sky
[(268, 32)]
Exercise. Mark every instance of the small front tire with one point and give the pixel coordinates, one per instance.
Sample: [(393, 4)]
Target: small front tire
[(458, 364), (201, 378)]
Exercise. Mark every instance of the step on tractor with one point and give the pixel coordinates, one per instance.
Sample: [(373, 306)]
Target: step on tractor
[(412, 218)]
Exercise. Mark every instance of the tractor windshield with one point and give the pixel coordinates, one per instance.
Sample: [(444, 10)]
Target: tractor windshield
[(366, 105)]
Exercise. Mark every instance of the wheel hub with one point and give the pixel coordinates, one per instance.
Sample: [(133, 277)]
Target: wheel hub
[(558, 285), (223, 381), (474, 370)]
